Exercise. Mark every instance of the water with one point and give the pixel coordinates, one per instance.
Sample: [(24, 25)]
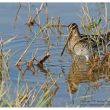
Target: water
[(57, 65)]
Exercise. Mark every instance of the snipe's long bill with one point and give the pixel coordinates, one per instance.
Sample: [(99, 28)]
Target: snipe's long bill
[(74, 44)]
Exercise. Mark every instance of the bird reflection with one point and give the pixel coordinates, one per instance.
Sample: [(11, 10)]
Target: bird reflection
[(79, 73)]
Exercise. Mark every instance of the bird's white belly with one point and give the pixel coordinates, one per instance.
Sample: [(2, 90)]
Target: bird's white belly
[(82, 51)]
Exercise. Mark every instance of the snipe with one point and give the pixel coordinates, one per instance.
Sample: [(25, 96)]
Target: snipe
[(75, 44)]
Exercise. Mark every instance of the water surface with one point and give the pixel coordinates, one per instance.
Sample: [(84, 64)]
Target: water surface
[(57, 65)]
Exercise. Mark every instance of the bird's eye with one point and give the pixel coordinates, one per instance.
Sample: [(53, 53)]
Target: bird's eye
[(69, 27)]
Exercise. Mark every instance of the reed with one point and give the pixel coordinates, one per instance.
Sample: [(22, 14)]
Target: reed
[(98, 66)]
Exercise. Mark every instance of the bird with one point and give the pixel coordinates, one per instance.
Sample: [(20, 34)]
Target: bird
[(77, 45)]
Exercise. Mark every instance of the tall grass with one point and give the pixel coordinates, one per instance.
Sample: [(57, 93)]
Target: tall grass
[(96, 29), (26, 96)]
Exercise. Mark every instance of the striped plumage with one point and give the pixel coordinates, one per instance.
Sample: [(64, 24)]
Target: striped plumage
[(74, 45)]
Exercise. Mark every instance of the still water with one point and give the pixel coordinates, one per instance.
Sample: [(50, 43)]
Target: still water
[(57, 65)]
